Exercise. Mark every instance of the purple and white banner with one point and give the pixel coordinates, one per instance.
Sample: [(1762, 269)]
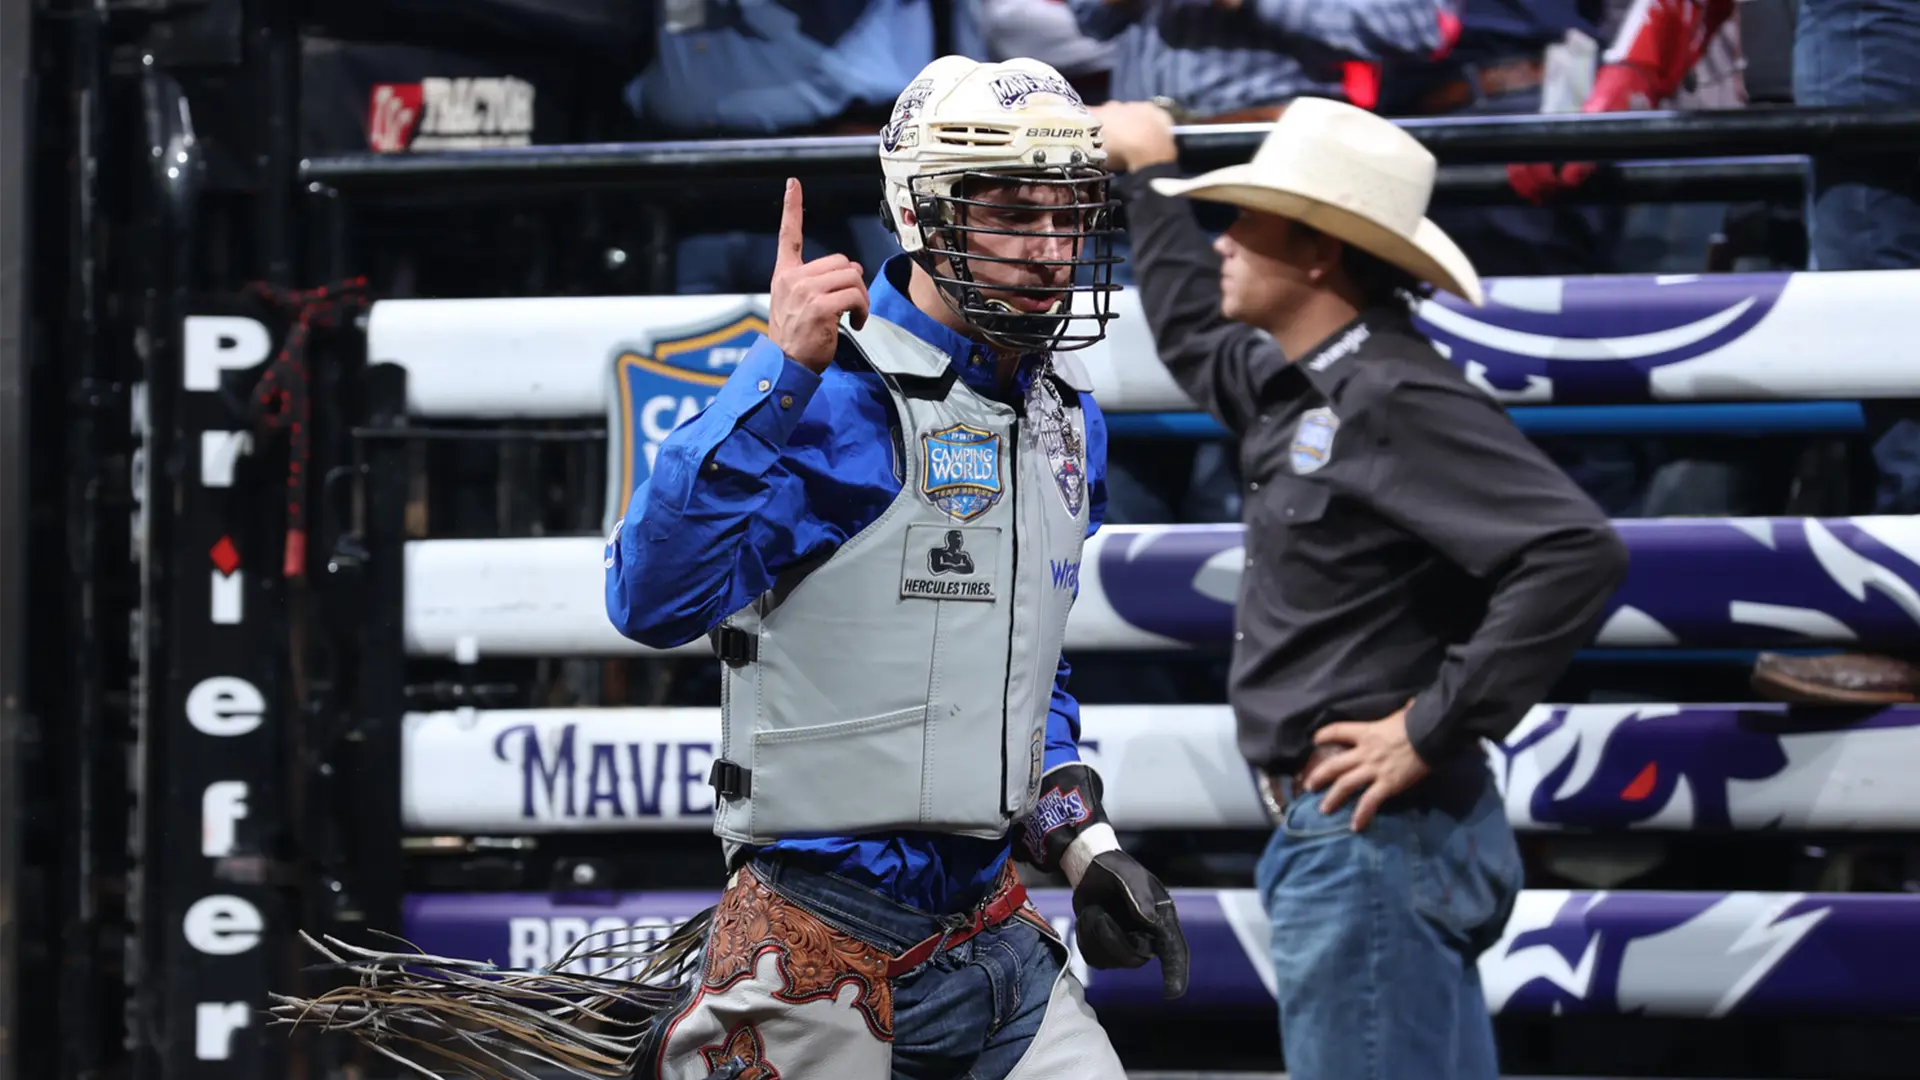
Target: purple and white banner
[(1710, 582), (1584, 340), (1656, 767), (1707, 582), (1645, 953)]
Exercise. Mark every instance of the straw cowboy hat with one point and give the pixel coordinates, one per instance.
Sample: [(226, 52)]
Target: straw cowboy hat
[(1352, 175)]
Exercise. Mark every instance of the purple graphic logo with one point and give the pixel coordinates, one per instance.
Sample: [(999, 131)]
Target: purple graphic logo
[(1764, 582), (1591, 933), (1631, 766), (1569, 340), (1721, 583), (1180, 583), (1688, 954), (1613, 767)]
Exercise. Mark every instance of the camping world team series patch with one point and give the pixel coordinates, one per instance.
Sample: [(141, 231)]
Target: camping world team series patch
[(960, 470), (1313, 440)]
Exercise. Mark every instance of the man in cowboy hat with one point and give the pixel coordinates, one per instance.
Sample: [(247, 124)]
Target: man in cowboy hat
[(1418, 574)]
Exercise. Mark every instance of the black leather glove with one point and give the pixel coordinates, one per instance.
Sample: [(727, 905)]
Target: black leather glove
[(1122, 914)]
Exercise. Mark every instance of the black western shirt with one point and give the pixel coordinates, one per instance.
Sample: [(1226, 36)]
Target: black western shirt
[(1403, 539)]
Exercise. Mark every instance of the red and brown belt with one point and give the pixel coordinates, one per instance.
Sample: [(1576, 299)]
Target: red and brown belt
[(1481, 81), (1251, 114), (1009, 900)]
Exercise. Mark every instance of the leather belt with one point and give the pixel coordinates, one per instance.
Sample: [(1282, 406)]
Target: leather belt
[(1004, 905), (1481, 81), (1252, 114), (1270, 785)]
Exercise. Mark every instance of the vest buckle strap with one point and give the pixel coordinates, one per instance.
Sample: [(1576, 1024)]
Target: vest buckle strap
[(729, 780), (735, 646)]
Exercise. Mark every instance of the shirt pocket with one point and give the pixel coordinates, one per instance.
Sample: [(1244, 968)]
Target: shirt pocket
[(1292, 548)]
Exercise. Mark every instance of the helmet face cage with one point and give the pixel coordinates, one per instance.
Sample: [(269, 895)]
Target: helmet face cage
[(944, 213)]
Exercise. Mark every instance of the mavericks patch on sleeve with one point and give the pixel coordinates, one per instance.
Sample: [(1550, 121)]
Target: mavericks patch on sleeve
[(1313, 440)]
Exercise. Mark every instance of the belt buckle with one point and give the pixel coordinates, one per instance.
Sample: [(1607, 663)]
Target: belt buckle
[(1270, 796), (1180, 113)]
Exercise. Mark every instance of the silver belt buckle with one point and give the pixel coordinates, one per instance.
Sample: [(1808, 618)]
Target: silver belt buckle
[(1273, 800), (1180, 113)]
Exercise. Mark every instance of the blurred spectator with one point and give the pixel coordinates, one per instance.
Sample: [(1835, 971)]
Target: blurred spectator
[(1540, 57), (743, 68), (1509, 55), (1236, 61), (1240, 61), (1527, 56), (1862, 54), (1864, 215), (1865, 211), (1673, 237), (1702, 477), (1048, 31)]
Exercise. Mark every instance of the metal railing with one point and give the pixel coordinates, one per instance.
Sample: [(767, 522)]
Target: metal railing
[(1766, 133)]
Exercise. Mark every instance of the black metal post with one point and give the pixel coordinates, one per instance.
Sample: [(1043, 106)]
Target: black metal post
[(16, 105), (1454, 140), (211, 718), (78, 738), (382, 668), (273, 52)]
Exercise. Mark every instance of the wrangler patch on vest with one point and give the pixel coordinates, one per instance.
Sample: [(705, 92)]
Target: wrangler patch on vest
[(960, 471)]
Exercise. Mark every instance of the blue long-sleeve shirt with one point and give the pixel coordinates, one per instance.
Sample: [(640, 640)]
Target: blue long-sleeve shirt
[(1212, 61), (783, 465), (764, 67)]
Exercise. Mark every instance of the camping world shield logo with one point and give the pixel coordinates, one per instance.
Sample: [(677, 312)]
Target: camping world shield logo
[(960, 470), (660, 382)]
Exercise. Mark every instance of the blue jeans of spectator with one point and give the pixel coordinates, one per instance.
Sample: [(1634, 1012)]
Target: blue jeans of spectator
[(1864, 54), (978, 1008), (1377, 937), (1865, 208)]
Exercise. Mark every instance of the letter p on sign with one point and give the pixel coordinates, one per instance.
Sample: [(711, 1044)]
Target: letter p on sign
[(216, 343)]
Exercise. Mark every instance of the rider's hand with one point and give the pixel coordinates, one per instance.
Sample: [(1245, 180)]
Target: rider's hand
[(808, 298), (1122, 915)]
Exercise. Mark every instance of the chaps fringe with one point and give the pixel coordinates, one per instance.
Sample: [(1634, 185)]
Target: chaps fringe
[(494, 1023)]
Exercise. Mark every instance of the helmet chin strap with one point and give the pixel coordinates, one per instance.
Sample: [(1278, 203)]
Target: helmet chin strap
[(997, 322), (1026, 330)]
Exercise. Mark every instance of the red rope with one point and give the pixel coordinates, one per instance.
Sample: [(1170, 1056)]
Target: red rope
[(281, 399)]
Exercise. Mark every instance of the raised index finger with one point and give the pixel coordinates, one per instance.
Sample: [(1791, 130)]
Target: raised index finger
[(787, 253)]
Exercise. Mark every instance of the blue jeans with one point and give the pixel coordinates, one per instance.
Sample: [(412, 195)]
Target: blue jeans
[(1865, 208), (1377, 935), (1861, 54), (977, 1008)]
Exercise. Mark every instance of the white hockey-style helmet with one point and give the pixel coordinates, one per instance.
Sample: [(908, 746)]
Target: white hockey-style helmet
[(961, 121)]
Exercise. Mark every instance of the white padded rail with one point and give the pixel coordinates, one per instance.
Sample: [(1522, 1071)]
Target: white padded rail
[(1663, 767), (1826, 336), (467, 599)]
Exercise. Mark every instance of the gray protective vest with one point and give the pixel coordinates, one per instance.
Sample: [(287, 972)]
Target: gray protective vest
[(903, 683)]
